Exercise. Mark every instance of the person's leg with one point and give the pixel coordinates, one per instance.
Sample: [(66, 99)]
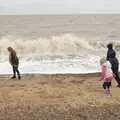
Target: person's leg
[(108, 88), (14, 73), (18, 73), (115, 71), (117, 78), (105, 90)]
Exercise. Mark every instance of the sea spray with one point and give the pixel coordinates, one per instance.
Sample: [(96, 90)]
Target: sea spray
[(67, 53)]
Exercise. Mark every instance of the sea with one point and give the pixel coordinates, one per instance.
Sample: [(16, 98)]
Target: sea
[(58, 44)]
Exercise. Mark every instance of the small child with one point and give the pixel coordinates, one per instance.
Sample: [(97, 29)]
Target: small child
[(106, 75)]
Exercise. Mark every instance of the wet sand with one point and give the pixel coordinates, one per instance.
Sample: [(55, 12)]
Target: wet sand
[(57, 97)]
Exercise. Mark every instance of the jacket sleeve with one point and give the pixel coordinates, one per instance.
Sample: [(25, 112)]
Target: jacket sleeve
[(107, 58), (103, 72)]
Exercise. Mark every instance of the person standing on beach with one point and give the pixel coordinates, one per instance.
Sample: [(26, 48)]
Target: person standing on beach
[(14, 61), (106, 75), (111, 57)]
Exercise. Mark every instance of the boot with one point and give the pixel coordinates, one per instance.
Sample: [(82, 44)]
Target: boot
[(19, 77), (13, 77)]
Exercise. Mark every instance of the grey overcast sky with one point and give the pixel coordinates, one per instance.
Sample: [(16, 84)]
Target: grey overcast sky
[(59, 6)]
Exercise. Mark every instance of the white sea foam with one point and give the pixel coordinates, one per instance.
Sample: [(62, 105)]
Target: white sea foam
[(59, 54), (65, 44)]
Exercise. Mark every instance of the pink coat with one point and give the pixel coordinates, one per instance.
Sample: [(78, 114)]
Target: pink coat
[(106, 73)]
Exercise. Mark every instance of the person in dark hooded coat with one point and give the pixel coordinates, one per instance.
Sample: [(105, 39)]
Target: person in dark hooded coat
[(14, 61), (111, 57)]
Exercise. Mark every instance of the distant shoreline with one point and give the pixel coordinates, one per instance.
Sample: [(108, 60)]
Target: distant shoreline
[(59, 14), (56, 74)]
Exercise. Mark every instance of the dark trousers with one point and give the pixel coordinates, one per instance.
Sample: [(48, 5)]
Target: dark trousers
[(117, 78), (115, 69), (106, 84), (15, 70)]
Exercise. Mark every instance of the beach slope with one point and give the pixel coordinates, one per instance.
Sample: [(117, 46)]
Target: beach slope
[(57, 97)]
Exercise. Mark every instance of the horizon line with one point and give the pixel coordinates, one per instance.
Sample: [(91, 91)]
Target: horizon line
[(63, 11)]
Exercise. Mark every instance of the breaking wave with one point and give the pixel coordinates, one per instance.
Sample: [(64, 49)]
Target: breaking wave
[(59, 54), (65, 44)]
